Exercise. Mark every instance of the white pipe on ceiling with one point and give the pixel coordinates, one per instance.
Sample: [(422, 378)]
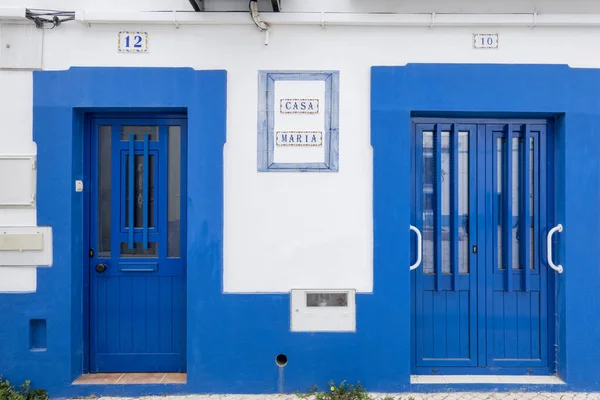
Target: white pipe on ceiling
[(342, 19), (326, 19), (9, 13)]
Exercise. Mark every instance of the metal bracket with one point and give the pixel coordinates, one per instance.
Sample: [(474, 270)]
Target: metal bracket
[(534, 19), (198, 5), (432, 20), (175, 19), (557, 268), (419, 247)]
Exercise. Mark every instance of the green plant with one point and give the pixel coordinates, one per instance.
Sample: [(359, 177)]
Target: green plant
[(7, 392), (339, 392)]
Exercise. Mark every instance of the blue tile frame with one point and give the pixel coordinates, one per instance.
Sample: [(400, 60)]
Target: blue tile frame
[(266, 120)]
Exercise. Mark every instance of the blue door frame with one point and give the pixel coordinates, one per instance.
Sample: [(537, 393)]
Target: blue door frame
[(471, 313), (137, 304)]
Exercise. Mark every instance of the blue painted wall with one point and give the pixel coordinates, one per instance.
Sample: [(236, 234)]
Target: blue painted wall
[(232, 340), (571, 97)]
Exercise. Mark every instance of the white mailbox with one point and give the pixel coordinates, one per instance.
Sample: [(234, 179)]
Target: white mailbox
[(323, 310), (26, 246)]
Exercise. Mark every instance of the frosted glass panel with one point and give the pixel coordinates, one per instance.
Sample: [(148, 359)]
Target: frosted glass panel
[(516, 202), (429, 171), (104, 189), (138, 201), (174, 236), (463, 202), (138, 250), (446, 178), (139, 132)]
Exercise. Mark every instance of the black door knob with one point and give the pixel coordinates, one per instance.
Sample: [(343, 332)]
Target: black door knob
[(100, 268)]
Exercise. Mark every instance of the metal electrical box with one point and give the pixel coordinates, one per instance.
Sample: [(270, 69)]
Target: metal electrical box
[(21, 46), (26, 246), (323, 310), (17, 188)]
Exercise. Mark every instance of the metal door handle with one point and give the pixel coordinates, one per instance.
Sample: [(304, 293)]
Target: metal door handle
[(557, 268), (419, 247), (100, 268)]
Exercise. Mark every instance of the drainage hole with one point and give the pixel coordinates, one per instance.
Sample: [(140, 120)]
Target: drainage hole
[(281, 360)]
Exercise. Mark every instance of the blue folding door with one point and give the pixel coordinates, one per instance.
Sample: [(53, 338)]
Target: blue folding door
[(137, 238), (480, 194)]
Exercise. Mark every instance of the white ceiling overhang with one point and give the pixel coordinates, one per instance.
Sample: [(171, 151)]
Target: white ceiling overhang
[(413, 6)]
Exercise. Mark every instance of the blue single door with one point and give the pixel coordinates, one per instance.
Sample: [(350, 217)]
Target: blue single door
[(480, 200), (516, 269), (137, 235), (444, 196)]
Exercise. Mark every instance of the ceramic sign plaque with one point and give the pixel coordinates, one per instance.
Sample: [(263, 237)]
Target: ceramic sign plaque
[(298, 121), (132, 42)]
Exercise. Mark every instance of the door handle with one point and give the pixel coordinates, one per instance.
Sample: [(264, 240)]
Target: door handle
[(557, 268), (100, 268), (419, 247)]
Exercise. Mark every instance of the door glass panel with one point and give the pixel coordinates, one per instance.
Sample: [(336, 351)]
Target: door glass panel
[(429, 171), (445, 197), (139, 132), (463, 202), (104, 189), (138, 250), (173, 238), (516, 202), (138, 199), (499, 203)]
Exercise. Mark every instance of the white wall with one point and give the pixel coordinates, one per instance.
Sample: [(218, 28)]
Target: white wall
[(15, 139), (272, 242)]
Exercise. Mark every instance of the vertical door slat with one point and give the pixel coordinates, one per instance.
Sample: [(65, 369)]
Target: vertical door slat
[(481, 176), (131, 187), (161, 190), (419, 317), (454, 207), (118, 191), (544, 212), (508, 212), (438, 208), (525, 210), (145, 190), (536, 210)]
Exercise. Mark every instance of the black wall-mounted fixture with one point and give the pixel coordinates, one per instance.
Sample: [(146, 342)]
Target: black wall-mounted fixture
[(198, 5)]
